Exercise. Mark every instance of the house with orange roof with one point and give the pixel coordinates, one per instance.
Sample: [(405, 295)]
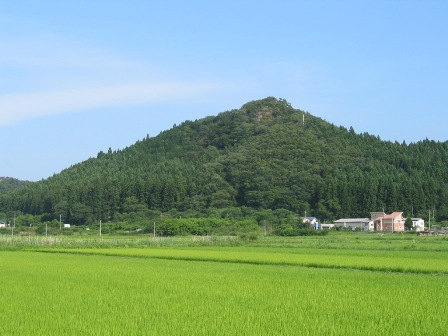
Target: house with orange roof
[(393, 222)]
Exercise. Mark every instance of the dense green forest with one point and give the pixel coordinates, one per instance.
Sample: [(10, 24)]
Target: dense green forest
[(9, 183), (263, 159)]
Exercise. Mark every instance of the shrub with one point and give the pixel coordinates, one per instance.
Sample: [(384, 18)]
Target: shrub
[(289, 230)]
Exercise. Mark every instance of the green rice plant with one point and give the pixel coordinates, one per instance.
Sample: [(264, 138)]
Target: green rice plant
[(67, 294), (386, 261), (334, 241), (18, 243), (359, 240)]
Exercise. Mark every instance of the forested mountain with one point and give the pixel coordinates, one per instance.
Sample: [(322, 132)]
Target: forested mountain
[(265, 155), (9, 183)]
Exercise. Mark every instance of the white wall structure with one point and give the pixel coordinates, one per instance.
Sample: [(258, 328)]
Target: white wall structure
[(363, 224), (418, 224)]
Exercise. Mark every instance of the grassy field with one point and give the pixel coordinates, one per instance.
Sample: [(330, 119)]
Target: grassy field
[(334, 285)]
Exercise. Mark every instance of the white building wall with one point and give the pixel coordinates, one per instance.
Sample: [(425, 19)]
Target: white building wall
[(418, 224)]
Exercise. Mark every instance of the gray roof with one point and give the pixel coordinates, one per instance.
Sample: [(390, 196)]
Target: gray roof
[(352, 220)]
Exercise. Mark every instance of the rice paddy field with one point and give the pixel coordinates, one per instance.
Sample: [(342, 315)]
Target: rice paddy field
[(345, 284)]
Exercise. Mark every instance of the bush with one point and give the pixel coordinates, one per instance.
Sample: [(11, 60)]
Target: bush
[(206, 226), (249, 236), (289, 230)]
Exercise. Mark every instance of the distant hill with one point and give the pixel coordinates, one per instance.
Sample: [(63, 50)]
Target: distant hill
[(265, 155), (9, 183)]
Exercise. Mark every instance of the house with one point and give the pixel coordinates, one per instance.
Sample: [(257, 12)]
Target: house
[(2, 224), (66, 226), (363, 224), (418, 224), (392, 223), (314, 223)]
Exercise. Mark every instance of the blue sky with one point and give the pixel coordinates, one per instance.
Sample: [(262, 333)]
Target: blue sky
[(78, 77)]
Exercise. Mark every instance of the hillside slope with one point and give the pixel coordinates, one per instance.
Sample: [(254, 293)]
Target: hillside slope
[(265, 155), (10, 183)]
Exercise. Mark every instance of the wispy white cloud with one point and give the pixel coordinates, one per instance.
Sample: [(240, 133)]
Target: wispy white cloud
[(50, 75), (53, 52), (18, 107)]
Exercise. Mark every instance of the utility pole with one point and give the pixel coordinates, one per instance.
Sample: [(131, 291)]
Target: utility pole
[(155, 228), (393, 222), (100, 229), (60, 222), (13, 225), (429, 220)]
